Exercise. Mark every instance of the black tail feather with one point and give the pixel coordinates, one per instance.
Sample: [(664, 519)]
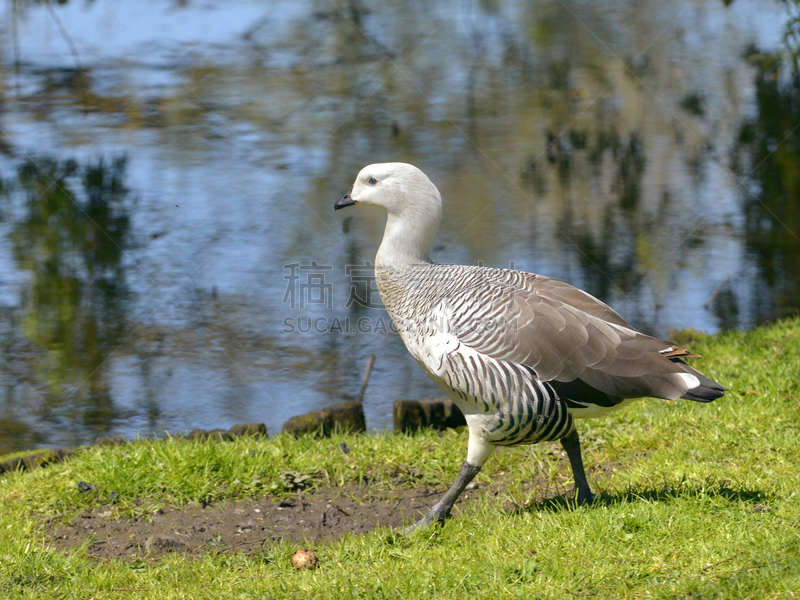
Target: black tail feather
[(707, 391)]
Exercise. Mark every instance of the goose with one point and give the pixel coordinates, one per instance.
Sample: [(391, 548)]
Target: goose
[(522, 355)]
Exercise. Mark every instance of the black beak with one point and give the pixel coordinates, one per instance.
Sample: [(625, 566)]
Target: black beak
[(345, 200)]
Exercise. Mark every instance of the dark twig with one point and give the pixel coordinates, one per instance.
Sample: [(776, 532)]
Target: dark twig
[(714, 294), (72, 49), (15, 35), (248, 542), (255, 27), (364, 381), (719, 562), (394, 508), (339, 509), (758, 566)]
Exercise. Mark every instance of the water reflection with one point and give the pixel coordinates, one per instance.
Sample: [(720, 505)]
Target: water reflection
[(592, 143), (769, 154), (69, 239), (609, 260)]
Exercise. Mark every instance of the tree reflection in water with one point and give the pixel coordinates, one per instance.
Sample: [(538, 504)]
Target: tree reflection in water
[(772, 206), (70, 239)]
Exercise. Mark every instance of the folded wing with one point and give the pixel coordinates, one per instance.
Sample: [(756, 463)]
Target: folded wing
[(587, 352)]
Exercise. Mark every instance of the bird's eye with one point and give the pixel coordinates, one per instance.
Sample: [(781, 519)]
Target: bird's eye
[(372, 181)]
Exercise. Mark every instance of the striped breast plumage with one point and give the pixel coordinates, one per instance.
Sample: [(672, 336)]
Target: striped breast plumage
[(507, 402)]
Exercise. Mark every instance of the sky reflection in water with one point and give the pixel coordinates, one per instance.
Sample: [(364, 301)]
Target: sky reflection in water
[(152, 198)]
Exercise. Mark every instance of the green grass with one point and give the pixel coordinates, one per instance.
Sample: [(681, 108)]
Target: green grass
[(702, 503)]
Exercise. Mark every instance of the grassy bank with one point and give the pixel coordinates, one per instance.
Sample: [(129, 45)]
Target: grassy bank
[(701, 502)]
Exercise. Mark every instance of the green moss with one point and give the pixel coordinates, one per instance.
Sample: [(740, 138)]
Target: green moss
[(21, 454)]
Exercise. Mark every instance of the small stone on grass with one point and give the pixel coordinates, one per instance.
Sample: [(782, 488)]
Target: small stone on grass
[(304, 559)]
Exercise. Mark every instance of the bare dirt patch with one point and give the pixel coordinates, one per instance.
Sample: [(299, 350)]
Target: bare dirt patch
[(253, 525), (248, 526)]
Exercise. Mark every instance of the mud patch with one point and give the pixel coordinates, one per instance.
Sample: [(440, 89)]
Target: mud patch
[(247, 526), (307, 518)]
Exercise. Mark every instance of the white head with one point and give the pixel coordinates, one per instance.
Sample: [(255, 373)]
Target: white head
[(412, 204)]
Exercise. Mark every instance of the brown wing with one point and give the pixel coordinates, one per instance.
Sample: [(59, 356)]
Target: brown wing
[(572, 296), (576, 342)]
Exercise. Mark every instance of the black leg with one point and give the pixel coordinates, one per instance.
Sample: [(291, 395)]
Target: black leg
[(441, 510), (572, 446)]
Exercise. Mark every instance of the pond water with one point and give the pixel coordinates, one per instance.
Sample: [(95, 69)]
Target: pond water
[(169, 254)]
